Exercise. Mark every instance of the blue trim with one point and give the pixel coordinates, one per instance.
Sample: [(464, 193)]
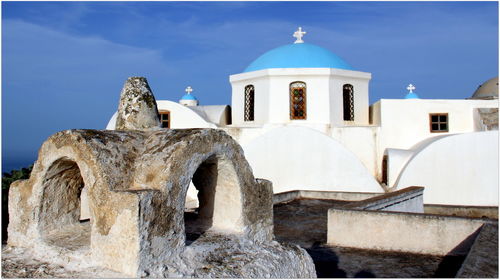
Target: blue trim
[(301, 55)]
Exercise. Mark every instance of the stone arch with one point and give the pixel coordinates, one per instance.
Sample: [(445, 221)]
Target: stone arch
[(60, 206), (241, 204), (222, 176), (218, 190)]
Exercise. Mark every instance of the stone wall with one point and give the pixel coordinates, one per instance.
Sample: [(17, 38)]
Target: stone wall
[(462, 211), (396, 231), (346, 196)]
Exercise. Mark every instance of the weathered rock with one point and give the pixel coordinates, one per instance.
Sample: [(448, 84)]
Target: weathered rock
[(137, 109), (137, 183)]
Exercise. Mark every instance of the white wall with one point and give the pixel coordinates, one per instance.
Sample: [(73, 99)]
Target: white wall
[(360, 82), (361, 141), (405, 122), (456, 170), (396, 161), (272, 95), (301, 158)]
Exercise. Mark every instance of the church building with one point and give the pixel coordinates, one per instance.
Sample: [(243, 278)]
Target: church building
[(302, 116)]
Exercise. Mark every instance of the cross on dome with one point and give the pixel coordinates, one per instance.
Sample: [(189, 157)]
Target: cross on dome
[(189, 90), (411, 88), (299, 34)]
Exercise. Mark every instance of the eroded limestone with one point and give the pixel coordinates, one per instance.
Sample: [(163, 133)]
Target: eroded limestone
[(136, 183)]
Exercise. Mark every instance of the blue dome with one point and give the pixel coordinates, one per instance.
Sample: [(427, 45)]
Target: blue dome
[(188, 97), (412, 95), (300, 55)]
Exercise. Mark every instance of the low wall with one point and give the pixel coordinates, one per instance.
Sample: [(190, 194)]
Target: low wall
[(346, 196), (462, 211), (407, 232), (406, 200)]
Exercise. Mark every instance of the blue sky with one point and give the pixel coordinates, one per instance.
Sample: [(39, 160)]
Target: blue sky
[(64, 63)]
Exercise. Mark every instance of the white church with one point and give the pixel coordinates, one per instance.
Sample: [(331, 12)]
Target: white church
[(302, 116)]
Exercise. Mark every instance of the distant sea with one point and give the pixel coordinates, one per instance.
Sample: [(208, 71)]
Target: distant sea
[(9, 164)]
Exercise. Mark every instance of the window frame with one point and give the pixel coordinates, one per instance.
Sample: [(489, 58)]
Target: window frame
[(165, 112), (292, 103), (439, 123)]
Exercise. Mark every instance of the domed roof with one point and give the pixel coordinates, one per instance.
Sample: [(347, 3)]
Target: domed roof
[(488, 90), (188, 97), (412, 95), (301, 55)]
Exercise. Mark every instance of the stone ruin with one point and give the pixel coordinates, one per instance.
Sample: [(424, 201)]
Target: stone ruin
[(135, 180)]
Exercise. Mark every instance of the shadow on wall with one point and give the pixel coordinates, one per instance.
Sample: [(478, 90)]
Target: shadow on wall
[(205, 181)]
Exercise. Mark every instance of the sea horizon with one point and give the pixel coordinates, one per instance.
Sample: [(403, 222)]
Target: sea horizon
[(9, 164)]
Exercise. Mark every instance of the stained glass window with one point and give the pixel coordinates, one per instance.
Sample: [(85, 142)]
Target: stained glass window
[(438, 122), (249, 103), (348, 91), (298, 105), (165, 119)]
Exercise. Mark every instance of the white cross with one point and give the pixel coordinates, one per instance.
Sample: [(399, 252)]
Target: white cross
[(189, 89), (298, 34), (411, 88)]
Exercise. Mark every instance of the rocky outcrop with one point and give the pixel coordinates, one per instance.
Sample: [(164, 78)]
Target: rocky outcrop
[(137, 108), (136, 183)]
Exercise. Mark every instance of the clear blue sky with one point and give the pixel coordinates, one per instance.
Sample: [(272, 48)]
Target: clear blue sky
[(64, 63)]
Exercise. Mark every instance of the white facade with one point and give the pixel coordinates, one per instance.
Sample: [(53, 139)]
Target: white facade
[(324, 98)]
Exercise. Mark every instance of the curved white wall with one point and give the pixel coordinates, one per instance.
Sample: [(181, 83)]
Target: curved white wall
[(298, 158), (456, 170)]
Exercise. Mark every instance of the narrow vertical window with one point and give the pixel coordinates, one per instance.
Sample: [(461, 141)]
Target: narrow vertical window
[(438, 122), (348, 94), (165, 119), (249, 102), (384, 170), (298, 105)]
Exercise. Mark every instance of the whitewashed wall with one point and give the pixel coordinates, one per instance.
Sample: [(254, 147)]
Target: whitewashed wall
[(456, 170), (299, 158), (324, 95), (405, 122)]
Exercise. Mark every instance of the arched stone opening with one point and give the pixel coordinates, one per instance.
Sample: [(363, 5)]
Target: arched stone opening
[(219, 199), (60, 221)]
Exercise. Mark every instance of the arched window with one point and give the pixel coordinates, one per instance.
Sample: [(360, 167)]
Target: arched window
[(298, 105), (249, 103), (348, 102)]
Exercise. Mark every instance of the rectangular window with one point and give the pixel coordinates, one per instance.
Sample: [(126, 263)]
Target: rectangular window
[(249, 102), (165, 119), (438, 122)]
